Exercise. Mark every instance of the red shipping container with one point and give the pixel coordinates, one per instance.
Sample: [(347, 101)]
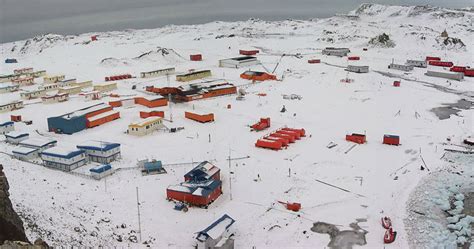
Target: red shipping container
[(431, 58), (391, 139), (248, 52), (152, 114), (314, 61), (93, 122), (396, 83), (296, 135), (94, 38), (356, 138), (302, 132), (15, 118), (469, 72), (291, 139), (353, 58), (283, 141), (194, 200), (269, 144), (441, 63), (458, 69), (195, 57)]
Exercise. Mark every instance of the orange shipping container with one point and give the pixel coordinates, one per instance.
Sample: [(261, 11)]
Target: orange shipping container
[(203, 118)]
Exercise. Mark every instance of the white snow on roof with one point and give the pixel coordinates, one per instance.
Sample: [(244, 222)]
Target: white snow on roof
[(179, 188), (37, 142), (16, 133), (145, 121), (198, 192), (23, 150), (219, 228), (59, 150), (104, 114)]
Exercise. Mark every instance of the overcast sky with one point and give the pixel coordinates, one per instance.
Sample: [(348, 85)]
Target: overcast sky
[(21, 19)]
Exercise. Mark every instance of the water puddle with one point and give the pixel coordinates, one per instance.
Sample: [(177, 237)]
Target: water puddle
[(445, 111), (344, 239)]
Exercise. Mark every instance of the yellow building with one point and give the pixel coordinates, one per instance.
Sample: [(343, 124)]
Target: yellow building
[(105, 87), (193, 75), (145, 126), (70, 90), (53, 79)]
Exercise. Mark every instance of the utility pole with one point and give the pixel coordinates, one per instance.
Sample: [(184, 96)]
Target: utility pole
[(169, 97), (230, 177), (139, 222)]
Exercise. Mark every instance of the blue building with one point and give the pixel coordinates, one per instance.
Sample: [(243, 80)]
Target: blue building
[(73, 122), (6, 127), (63, 159), (11, 60), (153, 167), (101, 152), (101, 171), (218, 235)]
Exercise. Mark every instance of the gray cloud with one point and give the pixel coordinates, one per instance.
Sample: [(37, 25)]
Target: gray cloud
[(20, 19)]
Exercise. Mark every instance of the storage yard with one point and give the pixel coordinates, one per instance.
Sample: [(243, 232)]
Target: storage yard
[(193, 145)]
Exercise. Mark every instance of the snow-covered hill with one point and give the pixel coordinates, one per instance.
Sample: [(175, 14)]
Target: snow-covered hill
[(66, 209)]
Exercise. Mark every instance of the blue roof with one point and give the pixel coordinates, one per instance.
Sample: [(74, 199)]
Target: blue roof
[(189, 187), (60, 154), (101, 168), (214, 224), (197, 173), (6, 123), (97, 145), (153, 165)]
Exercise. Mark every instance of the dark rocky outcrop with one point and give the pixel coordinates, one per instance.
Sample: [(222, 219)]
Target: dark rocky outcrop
[(11, 226)]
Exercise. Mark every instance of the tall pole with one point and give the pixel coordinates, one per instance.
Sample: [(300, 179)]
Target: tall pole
[(139, 222), (230, 177)]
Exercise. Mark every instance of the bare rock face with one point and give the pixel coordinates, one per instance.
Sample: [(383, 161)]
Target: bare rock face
[(11, 226)]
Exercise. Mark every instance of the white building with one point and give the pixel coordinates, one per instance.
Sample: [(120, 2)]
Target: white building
[(101, 152), (11, 106), (32, 94), (417, 63), (55, 98), (146, 126), (23, 70), (38, 143), (25, 153), (65, 159), (336, 51), (6, 127), (357, 69), (157, 73), (8, 88), (16, 137), (238, 62), (24, 81), (105, 87), (446, 75), (400, 67), (68, 82), (219, 235), (49, 87), (91, 95), (101, 171)]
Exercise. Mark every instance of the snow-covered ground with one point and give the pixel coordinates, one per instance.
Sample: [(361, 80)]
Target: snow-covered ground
[(68, 209)]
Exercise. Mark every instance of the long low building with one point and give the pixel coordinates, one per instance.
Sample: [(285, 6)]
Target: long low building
[(193, 75), (38, 143), (417, 63), (197, 194), (25, 153), (64, 159), (446, 75), (336, 51), (14, 105), (158, 73), (145, 126), (100, 152), (400, 67), (238, 62), (8, 88), (357, 69)]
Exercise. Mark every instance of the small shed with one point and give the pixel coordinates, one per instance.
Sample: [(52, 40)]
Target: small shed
[(101, 171), (15, 118), (396, 83), (356, 138), (357, 69), (314, 61), (25, 153), (94, 38), (100, 151), (6, 127), (248, 52), (153, 167), (15, 137), (257, 76), (195, 57), (219, 235), (391, 139)]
